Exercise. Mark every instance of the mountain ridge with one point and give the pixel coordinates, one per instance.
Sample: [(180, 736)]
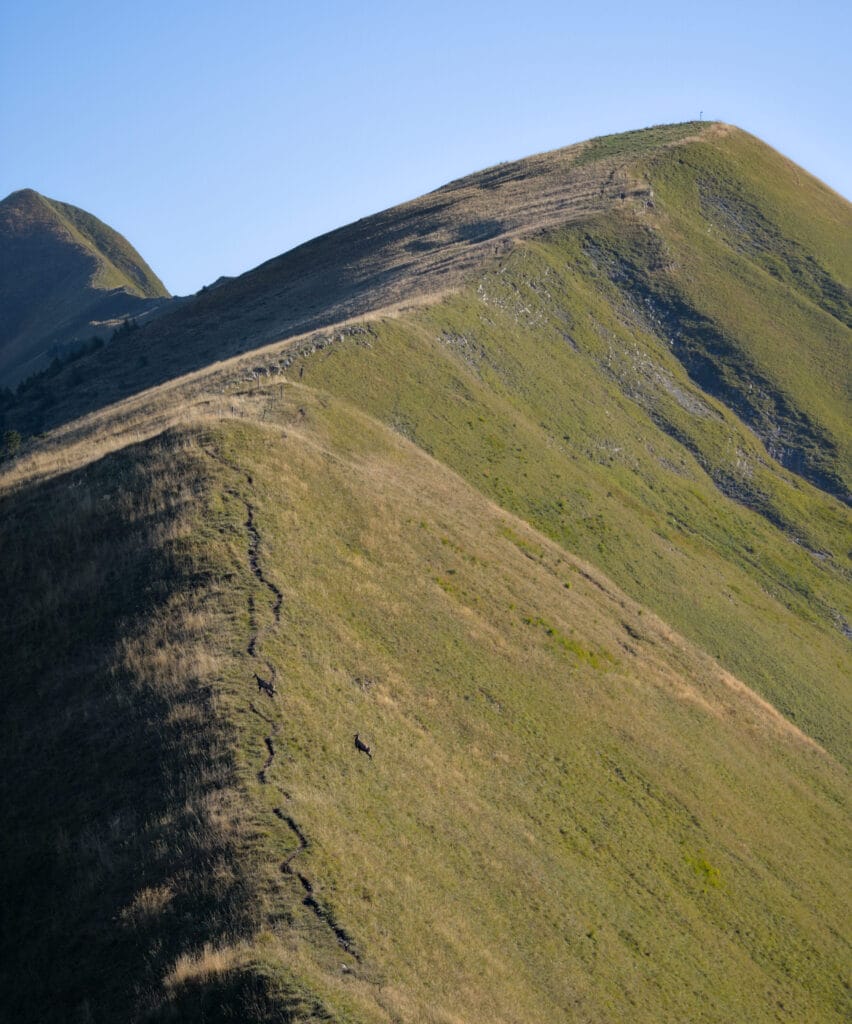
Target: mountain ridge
[(426, 248), (401, 255), (563, 542)]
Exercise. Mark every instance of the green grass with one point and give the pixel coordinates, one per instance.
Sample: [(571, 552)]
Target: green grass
[(567, 435), (119, 264), (519, 790), (548, 577), (569, 810), (525, 791), (635, 143)]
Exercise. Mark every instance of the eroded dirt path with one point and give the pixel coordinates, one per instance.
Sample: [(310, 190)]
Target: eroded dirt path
[(344, 939), (266, 681)]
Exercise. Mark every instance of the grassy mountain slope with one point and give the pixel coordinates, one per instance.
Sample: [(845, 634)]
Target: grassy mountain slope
[(567, 544), (62, 273), (572, 812), (694, 519)]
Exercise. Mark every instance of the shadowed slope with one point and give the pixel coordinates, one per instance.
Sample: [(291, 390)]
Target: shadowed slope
[(120, 843)]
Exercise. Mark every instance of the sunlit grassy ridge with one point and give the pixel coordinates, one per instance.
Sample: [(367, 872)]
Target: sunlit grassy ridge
[(557, 817), (567, 547)]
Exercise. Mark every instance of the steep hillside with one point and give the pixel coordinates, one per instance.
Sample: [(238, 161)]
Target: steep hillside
[(570, 813), (557, 522), (64, 277), (578, 416)]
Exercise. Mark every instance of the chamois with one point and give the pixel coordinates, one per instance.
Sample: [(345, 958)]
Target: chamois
[(362, 746), (267, 688)]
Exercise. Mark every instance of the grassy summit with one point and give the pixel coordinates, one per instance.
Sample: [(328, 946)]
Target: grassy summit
[(566, 545)]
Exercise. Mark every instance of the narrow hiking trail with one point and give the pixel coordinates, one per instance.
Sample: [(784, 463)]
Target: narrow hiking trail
[(266, 686), (344, 939)]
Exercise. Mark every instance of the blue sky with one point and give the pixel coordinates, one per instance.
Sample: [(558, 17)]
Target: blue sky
[(217, 135)]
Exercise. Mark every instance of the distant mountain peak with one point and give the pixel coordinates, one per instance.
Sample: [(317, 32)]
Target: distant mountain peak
[(20, 197), (64, 274)]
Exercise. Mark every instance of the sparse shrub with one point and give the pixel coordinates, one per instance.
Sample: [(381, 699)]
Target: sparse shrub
[(11, 445)]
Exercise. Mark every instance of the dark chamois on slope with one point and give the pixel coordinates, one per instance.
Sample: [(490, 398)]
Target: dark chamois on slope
[(362, 746), (265, 687)]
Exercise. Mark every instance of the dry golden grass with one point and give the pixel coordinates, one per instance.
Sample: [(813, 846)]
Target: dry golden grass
[(147, 903), (203, 966)]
